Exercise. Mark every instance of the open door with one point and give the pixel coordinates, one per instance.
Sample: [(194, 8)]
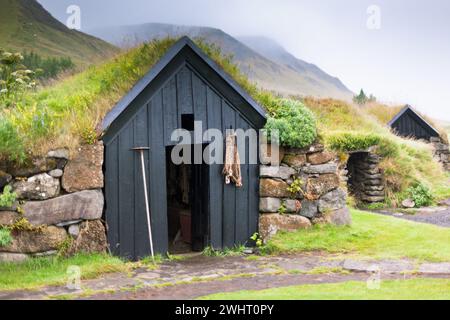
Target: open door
[(200, 206)]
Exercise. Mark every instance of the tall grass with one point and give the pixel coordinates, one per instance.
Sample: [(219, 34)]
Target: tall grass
[(70, 110), (406, 162)]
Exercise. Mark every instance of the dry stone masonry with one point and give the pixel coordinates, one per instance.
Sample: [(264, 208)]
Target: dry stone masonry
[(60, 201), (365, 179), (304, 190), (441, 152)]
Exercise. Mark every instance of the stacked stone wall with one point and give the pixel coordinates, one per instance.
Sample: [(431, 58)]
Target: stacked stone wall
[(59, 204), (303, 190)]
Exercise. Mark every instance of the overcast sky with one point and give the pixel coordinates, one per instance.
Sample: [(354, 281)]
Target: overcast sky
[(406, 60)]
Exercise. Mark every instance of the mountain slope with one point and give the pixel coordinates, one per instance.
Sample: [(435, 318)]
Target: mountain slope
[(270, 71), (26, 26), (273, 51)]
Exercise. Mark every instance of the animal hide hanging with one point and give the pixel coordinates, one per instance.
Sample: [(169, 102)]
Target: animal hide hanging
[(232, 167)]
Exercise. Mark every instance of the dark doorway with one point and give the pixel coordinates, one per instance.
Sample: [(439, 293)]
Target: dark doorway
[(187, 205), (365, 179)]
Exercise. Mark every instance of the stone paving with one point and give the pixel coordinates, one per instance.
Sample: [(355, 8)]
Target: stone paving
[(202, 270)]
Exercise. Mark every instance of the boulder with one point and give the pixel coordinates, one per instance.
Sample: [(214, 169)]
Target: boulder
[(322, 184), (281, 172), (295, 160), (85, 205), (85, 171), (5, 178), (49, 238), (39, 187), (266, 154), (273, 188), (8, 218), (59, 154), (332, 201), (57, 173), (309, 208), (408, 203), (270, 224), (292, 206), (74, 230), (321, 168), (91, 238), (321, 157), (341, 217), (269, 204), (36, 166), (13, 257)]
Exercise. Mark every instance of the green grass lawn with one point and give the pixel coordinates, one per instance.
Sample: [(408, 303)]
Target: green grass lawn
[(370, 236), (414, 289), (38, 272)]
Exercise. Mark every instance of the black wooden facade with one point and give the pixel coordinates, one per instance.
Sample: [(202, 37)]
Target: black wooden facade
[(184, 82), (408, 123)]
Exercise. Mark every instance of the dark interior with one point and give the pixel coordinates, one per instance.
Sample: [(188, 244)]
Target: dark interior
[(355, 177), (187, 196)]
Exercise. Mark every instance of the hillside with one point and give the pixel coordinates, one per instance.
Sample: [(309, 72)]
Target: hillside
[(261, 59), (26, 26)]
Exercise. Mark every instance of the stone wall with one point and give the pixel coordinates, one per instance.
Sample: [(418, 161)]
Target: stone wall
[(304, 190), (59, 204), (365, 178), (441, 152)]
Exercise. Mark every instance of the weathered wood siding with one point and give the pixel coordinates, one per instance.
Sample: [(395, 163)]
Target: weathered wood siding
[(410, 125), (233, 213)]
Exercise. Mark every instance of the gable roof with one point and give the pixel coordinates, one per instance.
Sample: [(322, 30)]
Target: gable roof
[(174, 52), (411, 109)]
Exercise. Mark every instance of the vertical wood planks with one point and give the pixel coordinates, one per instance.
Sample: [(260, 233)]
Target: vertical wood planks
[(141, 245), (216, 181), (242, 213), (199, 94), (229, 191), (232, 212), (112, 195), (158, 185), (184, 91), (126, 192), (170, 110)]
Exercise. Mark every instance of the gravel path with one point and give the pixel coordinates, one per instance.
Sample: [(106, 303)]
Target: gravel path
[(439, 216)]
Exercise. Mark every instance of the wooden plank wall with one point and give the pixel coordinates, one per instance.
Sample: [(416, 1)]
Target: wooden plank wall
[(233, 212)]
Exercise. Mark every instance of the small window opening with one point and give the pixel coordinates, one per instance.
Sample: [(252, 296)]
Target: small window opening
[(187, 122)]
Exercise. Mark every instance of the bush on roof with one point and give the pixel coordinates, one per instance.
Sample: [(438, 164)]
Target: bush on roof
[(294, 122)]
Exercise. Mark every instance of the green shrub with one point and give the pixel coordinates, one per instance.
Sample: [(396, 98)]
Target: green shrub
[(7, 198), (5, 237), (352, 141), (295, 124), (11, 145), (421, 195)]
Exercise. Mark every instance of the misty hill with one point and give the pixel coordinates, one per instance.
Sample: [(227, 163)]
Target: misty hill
[(261, 59), (26, 26)]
